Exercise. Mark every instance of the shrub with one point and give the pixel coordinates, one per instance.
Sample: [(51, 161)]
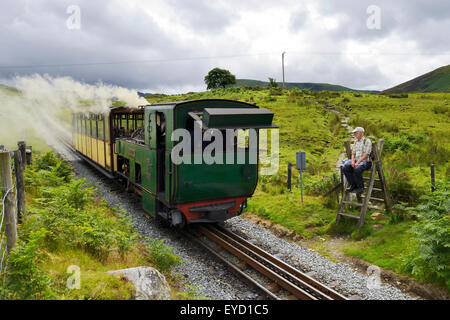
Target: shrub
[(401, 187), (161, 255), (24, 279), (431, 257), (318, 185), (276, 91), (50, 162), (398, 95), (398, 143), (441, 110)]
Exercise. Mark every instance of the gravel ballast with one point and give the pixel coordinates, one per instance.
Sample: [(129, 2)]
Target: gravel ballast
[(339, 276)]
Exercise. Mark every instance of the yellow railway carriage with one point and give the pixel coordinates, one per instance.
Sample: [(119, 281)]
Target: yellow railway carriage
[(94, 135)]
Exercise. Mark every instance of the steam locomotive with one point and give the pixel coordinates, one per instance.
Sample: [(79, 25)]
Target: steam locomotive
[(136, 145)]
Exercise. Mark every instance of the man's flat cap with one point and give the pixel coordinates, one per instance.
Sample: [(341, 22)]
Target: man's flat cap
[(357, 129)]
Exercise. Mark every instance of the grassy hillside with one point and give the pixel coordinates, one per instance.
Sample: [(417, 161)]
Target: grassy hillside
[(434, 81), (300, 85)]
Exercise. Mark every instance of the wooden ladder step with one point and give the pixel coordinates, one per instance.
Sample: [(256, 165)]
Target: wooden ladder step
[(377, 199), (358, 204), (349, 215), (375, 189), (368, 179)]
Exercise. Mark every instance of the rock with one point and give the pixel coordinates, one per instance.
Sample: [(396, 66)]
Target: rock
[(311, 274), (354, 297), (377, 226), (150, 283), (279, 230), (279, 256), (379, 216)]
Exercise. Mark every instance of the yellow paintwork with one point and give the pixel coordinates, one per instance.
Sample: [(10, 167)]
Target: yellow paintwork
[(95, 149), (115, 157), (108, 156)]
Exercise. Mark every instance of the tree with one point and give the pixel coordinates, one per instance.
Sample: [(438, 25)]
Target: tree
[(273, 83), (219, 78)]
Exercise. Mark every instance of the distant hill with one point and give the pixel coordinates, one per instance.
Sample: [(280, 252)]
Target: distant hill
[(434, 81), (143, 94), (8, 89), (301, 85)]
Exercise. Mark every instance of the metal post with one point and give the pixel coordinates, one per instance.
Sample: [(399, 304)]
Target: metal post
[(433, 186), (301, 184), (282, 63), (289, 176)]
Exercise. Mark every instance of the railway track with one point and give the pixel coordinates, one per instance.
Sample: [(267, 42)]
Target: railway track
[(281, 280)]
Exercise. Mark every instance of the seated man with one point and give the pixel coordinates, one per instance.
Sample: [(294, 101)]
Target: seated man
[(359, 162)]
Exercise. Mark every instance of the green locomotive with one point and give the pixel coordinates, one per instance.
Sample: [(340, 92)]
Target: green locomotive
[(138, 145)]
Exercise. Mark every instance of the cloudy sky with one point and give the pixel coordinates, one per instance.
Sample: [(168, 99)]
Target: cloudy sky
[(170, 45)]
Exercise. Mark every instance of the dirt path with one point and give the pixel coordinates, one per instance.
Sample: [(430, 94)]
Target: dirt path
[(344, 123)]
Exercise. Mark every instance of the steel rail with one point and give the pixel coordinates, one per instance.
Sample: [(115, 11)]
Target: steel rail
[(292, 280), (302, 277)]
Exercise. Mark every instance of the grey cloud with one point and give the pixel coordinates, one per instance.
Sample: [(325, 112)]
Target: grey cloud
[(202, 15), (34, 33)]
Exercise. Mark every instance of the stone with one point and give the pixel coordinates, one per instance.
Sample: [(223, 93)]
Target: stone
[(150, 283), (379, 216), (377, 226)]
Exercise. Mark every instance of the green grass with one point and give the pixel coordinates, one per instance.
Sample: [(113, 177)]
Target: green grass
[(385, 248), (289, 85)]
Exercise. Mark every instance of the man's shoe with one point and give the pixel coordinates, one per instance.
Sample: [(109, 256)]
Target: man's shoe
[(359, 190), (350, 189)]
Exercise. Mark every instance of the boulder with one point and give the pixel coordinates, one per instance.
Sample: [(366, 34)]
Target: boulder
[(379, 216), (150, 283)]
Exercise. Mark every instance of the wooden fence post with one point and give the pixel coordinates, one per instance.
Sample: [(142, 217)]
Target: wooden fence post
[(29, 155), (337, 189), (348, 149), (9, 203), (23, 152), (20, 184)]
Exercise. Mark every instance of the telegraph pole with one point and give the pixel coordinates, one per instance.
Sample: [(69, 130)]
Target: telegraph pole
[(282, 64)]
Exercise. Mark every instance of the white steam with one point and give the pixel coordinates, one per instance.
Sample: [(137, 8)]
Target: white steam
[(43, 107)]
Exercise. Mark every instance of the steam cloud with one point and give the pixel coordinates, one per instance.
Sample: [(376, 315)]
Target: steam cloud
[(43, 107)]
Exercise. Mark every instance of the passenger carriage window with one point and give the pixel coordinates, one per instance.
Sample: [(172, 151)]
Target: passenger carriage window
[(100, 128), (94, 128), (90, 127)]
